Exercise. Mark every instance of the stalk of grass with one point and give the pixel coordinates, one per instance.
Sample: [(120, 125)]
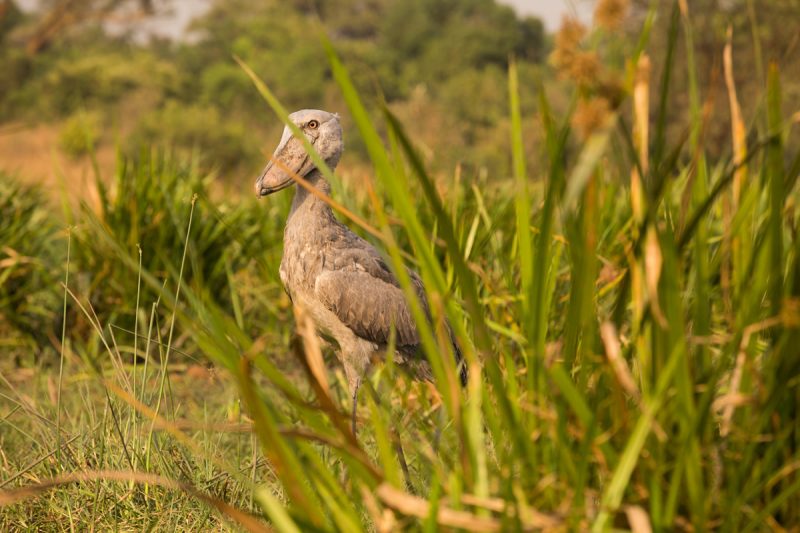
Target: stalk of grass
[(466, 279), (165, 359), (522, 202), (614, 491), (63, 345), (659, 142), (546, 264), (133, 414), (775, 179)]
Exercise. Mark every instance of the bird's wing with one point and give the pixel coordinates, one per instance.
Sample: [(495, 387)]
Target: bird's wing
[(366, 297)]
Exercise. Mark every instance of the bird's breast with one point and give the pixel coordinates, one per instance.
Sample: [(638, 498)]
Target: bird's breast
[(301, 264)]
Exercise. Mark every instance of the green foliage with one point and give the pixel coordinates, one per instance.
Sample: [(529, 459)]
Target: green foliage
[(650, 437), (190, 95), (30, 256), (200, 130), (624, 411), (144, 212), (224, 85), (102, 78), (12, 16), (628, 354), (13, 76), (80, 133), (93, 440), (759, 34)]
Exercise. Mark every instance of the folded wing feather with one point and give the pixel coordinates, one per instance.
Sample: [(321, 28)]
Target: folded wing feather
[(366, 296)]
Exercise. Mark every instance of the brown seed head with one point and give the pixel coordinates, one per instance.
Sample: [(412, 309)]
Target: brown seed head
[(585, 68), (567, 43), (609, 14), (590, 115)]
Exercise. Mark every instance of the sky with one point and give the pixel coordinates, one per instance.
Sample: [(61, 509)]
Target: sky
[(551, 11), (174, 20)]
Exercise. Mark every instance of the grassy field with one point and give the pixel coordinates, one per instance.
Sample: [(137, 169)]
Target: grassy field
[(629, 311)]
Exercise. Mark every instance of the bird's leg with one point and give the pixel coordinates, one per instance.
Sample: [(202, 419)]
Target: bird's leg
[(354, 388), (355, 362)]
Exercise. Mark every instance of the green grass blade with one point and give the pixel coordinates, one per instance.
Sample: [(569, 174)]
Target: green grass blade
[(615, 490)]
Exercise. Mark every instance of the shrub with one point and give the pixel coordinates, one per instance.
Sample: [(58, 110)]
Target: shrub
[(149, 207), (80, 133), (199, 128), (31, 260)]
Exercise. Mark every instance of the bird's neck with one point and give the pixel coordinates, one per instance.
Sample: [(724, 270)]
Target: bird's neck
[(307, 204)]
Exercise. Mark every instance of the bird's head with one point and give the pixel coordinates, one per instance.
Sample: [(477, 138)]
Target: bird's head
[(323, 131)]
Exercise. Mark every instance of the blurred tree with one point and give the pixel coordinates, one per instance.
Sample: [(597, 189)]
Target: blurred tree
[(448, 56), (10, 16), (458, 49), (431, 40), (532, 40), (287, 54), (347, 19), (59, 16)]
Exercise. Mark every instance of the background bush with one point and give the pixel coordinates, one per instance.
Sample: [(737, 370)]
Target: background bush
[(80, 133), (32, 261), (147, 208)]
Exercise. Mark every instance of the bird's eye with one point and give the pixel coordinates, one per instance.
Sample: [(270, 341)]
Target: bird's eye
[(313, 124)]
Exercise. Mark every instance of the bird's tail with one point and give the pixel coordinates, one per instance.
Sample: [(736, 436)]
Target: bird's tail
[(417, 365)]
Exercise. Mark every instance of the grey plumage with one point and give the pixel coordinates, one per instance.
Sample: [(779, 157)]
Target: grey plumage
[(336, 276)]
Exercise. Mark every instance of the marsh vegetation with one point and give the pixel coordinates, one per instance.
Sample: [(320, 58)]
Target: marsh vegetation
[(624, 281)]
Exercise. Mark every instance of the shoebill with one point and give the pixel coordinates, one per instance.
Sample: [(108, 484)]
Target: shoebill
[(337, 277)]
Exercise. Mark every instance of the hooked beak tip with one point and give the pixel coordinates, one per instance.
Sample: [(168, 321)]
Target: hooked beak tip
[(260, 189)]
